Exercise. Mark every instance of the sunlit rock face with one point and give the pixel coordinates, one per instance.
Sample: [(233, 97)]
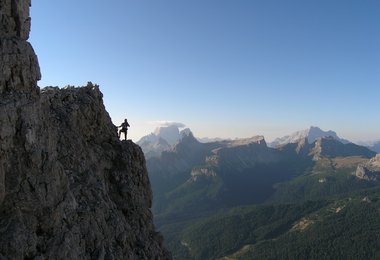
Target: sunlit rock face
[(69, 188), (370, 170)]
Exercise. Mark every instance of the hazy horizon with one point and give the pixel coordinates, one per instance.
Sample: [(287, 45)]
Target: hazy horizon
[(181, 126), (223, 68)]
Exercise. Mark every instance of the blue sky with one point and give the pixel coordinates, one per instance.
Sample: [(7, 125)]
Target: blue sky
[(226, 68)]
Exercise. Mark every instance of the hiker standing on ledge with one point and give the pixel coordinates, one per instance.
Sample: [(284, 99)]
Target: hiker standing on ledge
[(124, 129)]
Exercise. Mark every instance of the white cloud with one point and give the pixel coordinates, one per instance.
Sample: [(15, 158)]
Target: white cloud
[(167, 123)]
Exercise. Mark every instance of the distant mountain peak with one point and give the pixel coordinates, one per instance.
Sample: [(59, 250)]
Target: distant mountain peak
[(169, 133), (311, 134), (315, 133), (162, 141), (185, 132), (187, 137), (164, 138)]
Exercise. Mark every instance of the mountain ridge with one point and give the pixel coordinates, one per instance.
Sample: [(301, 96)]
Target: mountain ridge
[(233, 172), (311, 134), (153, 148)]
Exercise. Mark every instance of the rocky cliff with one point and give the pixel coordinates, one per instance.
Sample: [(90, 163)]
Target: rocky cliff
[(163, 139), (330, 147), (69, 189), (370, 170)]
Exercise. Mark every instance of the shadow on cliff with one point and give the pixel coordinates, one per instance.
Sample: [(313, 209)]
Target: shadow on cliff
[(69, 188)]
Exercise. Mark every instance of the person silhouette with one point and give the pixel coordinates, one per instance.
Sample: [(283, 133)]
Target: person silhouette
[(124, 129)]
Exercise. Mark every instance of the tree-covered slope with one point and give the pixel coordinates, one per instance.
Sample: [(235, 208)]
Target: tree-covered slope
[(329, 176), (350, 230), (338, 228)]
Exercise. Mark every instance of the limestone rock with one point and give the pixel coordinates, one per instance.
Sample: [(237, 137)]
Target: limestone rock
[(15, 20), (162, 139), (370, 170), (155, 147), (330, 147), (206, 170), (240, 154), (311, 134), (19, 69), (69, 188)]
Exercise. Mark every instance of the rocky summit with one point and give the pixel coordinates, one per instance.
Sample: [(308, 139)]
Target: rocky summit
[(311, 134), (69, 188)]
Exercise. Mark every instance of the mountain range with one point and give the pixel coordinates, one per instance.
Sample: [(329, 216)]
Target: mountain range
[(193, 181), (312, 134), (235, 167), (164, 138)]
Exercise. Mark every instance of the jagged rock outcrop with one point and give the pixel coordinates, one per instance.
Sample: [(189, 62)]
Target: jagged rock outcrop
[(154, 148), (369, 171), (240, 154), (69, 189), (207, 170), (194, 159), (301, 148), (19, 70), (163, 139), (330, 147), (180, 159)]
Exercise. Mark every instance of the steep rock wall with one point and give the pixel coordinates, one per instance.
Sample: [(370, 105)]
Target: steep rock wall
[(19, 70), (69, 189), (370, 170)]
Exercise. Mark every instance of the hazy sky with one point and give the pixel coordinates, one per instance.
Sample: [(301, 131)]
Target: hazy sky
[(226, 68)]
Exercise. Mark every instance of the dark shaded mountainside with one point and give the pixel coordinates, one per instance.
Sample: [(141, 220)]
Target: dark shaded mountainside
[(69, 189), (236, 198), (195, 176), (336, 228)]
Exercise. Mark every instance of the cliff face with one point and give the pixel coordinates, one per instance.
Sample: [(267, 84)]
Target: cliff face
[(369, 171), (69, 189), (330, 147), (19, 70)]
